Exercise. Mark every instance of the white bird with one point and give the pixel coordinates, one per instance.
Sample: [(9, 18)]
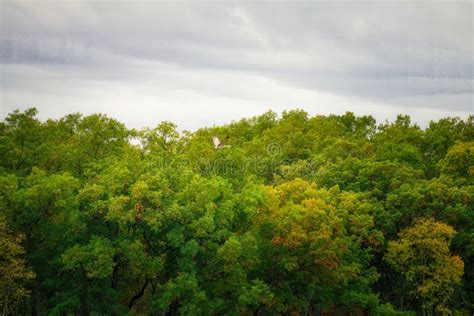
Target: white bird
[(217, 143)]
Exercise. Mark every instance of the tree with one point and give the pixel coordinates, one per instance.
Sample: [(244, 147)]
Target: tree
[(316, 246), (423, 258), (14, 271), (20, 140), (459, 162)]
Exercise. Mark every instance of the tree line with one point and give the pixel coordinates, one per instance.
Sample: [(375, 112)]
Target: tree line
[(295, 215)]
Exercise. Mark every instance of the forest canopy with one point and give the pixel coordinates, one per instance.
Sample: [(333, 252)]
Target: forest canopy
[(290, 214)]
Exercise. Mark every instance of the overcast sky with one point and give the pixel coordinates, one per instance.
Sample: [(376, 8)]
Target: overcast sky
[(203, 63)]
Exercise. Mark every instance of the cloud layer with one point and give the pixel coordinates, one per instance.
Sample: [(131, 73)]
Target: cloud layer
[(202, 63)]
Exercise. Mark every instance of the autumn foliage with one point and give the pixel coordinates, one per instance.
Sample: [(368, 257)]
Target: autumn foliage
[(296, 215)]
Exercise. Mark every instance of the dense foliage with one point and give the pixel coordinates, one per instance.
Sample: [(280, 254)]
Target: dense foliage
[(296, 215)]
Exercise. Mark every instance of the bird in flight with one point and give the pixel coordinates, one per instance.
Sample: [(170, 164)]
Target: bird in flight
[(217, 143)]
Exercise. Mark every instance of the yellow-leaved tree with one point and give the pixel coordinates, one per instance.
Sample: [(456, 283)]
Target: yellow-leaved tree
[(423, 258), (13, 270)]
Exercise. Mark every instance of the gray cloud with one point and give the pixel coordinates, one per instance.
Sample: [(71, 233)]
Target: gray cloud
[(384, 56)]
